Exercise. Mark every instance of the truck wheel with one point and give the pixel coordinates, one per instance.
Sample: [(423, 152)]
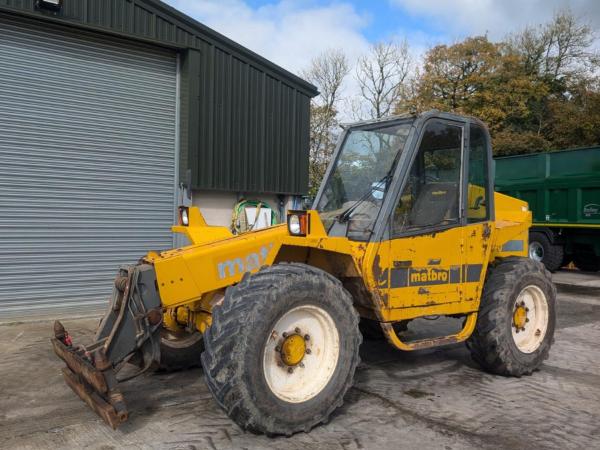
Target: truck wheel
[(542, 250), (179, 351), (282, 349), (517, 315), (587, 262)]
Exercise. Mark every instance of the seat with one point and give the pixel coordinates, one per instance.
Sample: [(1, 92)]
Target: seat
[(435, 203)]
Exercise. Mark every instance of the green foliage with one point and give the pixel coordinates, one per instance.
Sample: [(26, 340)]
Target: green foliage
[(537, 91)]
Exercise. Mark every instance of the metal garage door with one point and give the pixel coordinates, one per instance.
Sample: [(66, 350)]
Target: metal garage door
[(87, 164)]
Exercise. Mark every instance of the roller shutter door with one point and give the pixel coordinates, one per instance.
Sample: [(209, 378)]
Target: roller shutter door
[(87, 164)]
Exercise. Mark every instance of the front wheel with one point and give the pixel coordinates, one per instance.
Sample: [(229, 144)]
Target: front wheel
[(517, 316), (282, 349)]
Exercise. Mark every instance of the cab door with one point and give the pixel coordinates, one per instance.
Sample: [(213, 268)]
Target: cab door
[(479, 208), (426, 250)]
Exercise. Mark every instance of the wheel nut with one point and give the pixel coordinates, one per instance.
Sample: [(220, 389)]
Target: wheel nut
[(526, 309), (301, 364), (526, 320), (284, 334), (278, 349), (290, 370), (307, 337), (297, 330), (308, 351)]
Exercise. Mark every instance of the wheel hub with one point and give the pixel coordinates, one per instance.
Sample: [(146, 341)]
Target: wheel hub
[(530, 319), (536, 251), (301, 353), (520, 317), (293, 350)]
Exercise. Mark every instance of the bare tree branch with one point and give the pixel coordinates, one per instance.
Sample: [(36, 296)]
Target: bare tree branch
[(327, 71), (381, 74)]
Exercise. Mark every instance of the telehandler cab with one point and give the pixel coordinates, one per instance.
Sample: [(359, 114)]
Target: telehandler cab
[(406, 225)]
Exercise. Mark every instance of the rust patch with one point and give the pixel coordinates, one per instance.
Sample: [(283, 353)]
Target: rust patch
[(94, 401), (427, 343), (376, 267), (80, 366), (155, 316), (487, 231)]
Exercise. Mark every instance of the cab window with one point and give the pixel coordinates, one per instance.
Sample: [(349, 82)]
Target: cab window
[(431, 196), (477, 198)]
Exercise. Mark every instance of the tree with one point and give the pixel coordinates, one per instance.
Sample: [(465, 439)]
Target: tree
[(479, 78), (454, 75), (561, 56), (381, 75), (537, 90), (560, 50), (327, 71)]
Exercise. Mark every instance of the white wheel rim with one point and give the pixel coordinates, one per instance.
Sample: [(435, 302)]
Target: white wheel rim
[(529, 338), (311, 376), (536, 251)]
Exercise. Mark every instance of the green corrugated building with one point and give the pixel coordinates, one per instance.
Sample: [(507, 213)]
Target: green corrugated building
[(115, 111)]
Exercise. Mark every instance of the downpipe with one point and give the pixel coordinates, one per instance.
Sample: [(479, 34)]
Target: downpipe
[(129, 332)]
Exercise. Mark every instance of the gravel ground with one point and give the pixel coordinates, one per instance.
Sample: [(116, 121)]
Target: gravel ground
[(435, 399)]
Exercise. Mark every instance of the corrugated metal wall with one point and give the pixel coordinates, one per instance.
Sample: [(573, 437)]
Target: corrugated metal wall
[(253, 129), (245, 121), (87, 163)]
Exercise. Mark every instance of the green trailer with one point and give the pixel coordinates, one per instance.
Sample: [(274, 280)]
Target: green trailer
[(563, 192)]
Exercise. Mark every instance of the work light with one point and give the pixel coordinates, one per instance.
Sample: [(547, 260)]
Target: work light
[(184, 218), (297, 223)]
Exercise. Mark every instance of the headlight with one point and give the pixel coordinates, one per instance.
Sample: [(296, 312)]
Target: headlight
[(294, 224), (184, 218), (297, 223)]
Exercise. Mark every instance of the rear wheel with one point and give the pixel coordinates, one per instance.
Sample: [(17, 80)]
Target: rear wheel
[(544, 251), (588, 262), (517, 316), (180, 351), (282, 349)]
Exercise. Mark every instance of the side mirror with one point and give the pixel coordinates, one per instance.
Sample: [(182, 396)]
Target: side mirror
[(307, 202)]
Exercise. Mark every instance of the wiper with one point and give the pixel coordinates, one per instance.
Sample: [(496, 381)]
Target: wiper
[(345, 215)]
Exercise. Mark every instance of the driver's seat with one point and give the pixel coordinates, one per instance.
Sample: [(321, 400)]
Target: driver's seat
[(435, 203)]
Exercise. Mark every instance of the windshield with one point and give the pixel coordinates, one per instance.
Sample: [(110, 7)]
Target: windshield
[(357, 185)]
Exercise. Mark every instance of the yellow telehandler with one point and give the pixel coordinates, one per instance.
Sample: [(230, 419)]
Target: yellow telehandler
[(406, 225)]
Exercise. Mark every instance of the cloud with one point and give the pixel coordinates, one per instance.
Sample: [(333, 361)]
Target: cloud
[(496, 17), (289, 33)]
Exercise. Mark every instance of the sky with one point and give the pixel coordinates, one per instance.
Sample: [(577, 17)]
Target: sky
[(292, 32)]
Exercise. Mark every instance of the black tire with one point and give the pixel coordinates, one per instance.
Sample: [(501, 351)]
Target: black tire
[(180, 351), (587, 262), (235, 342), (492, 345), (552, 254)]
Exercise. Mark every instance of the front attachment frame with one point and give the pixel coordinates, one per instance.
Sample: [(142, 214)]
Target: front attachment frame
[(129, 332)]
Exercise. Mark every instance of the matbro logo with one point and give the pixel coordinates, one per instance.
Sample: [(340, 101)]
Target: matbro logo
[(426, 276), (247, 263), (402, 277)]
